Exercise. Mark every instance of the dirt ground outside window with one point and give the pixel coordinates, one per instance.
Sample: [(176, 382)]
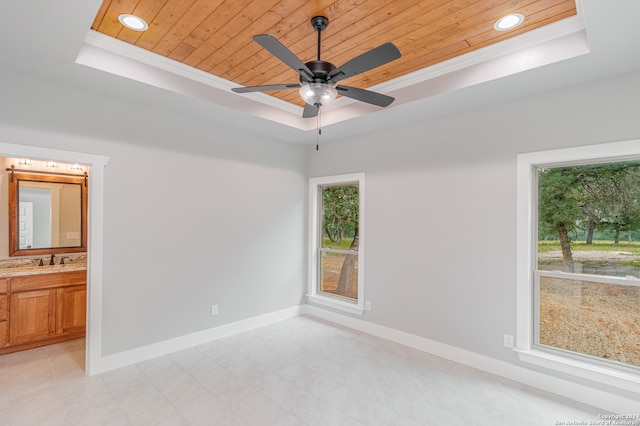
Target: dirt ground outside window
[(602, 320)]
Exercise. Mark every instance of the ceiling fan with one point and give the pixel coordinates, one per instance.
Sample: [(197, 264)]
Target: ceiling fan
[(318, 78)]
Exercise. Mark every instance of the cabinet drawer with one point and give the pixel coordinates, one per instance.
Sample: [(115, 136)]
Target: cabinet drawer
[(61, 279), (4, 285), (3, 307)]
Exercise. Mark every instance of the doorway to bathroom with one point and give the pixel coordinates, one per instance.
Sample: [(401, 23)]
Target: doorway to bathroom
[(93, 254)]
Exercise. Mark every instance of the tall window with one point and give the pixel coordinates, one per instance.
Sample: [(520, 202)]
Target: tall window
[(336, 237), (586, 281), (579, 262)]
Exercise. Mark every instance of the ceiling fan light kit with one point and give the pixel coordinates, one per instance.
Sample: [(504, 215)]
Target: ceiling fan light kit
[(318, 93), (318, 78)]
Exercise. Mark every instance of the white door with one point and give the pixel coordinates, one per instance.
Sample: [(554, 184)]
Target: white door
[(25, 225)]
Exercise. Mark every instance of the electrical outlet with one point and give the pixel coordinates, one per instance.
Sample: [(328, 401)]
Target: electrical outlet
[(367, 305), (214, 310), (508, 341)]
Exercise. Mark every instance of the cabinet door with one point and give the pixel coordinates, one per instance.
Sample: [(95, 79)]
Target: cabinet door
[(71, 309), (3, 307), (3, 333), (31, 315)]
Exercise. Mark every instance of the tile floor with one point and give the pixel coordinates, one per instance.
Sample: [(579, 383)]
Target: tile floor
[(302, 371)]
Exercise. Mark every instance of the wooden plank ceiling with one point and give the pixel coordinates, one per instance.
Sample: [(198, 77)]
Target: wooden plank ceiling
[(215, 35)]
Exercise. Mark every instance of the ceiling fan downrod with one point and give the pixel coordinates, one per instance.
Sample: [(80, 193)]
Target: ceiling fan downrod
[(319, 23)]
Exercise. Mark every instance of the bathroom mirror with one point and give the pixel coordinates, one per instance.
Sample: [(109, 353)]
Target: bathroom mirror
[(47, 214)]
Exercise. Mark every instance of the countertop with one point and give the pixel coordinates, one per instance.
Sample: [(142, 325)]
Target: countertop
[(46, 269)]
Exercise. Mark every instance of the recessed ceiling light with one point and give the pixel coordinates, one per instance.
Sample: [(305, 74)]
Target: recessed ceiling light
[(509, 22), (133, 22)]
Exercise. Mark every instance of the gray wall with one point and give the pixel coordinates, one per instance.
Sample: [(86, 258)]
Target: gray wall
[(222, 217), (217, 220), (441, 206)]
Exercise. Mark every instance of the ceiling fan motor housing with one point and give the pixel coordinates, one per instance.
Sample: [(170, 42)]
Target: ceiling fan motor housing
[(320, 69)]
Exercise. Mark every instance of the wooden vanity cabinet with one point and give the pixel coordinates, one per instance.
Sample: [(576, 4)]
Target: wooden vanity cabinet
[(44, 309)]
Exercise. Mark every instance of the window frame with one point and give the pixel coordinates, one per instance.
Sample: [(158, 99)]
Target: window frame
[(526, 234), (315, 192)]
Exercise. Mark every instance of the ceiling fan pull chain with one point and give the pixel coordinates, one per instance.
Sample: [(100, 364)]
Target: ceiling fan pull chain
[(318, 126)]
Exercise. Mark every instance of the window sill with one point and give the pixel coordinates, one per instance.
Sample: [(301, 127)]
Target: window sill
[(340, 305), (597, 373)]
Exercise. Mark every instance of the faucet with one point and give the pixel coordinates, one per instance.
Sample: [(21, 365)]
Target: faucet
[(51, 262)]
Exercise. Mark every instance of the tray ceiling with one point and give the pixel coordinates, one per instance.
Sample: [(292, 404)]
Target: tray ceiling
[(214, 36)]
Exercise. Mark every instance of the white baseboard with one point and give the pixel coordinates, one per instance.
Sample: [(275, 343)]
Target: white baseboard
[(564, 388), (577, 392), (133, 356)]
